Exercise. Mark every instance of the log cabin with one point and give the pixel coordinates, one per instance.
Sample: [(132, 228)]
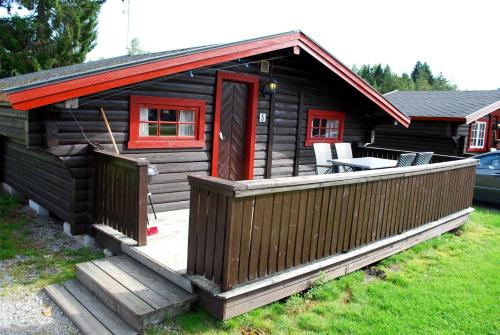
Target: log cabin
[(243, 220), (454, 123)]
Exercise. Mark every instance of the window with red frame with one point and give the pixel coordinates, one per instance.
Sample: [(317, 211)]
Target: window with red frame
[(324, 126), (478, 135), (157, 122)]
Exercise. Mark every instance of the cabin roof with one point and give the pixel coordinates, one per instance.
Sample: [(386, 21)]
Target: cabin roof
[(461, 106), (50, 86)]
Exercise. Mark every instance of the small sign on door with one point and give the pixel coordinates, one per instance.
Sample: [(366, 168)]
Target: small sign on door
[(262, 117)]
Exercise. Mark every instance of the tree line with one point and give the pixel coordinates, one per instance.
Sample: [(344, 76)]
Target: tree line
[(383, 79)]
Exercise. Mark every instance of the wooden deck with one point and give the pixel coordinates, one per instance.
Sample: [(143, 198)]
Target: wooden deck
[(169, 247)]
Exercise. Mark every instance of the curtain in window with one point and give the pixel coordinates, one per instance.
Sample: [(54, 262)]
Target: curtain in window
[(332, 128), (143, 117), (186, 129)]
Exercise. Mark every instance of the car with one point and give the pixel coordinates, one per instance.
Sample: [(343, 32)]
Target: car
[(487, 186)]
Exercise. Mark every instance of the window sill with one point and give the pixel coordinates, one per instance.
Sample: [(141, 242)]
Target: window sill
[(309, 142), (165, 144)]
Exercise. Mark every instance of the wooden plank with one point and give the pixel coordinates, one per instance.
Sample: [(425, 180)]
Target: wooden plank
[(329, 222), (283, 232), (298, 135), (275, 231), (193, 229), (311, 196), (301, 222), (266, 234), (202, 229), (318, 201), (253, 263), (322, 223), (152, 298), (355, 217), (292, 229), (270, 137), (335, 245), (349, 217), (80, 316), (232, 243), (367, 217), (363, 204), (102, 313), (210, 235), (246, 234)]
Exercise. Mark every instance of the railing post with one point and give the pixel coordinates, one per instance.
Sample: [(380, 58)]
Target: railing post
[(142, 212)]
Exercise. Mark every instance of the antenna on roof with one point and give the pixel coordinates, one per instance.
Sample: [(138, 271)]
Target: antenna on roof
[(126, 10)]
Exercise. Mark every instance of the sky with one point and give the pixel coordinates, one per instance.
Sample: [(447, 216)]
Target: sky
[(461, 39)]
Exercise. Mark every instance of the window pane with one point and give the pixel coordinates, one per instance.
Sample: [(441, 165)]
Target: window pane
[(331, 133), (186, 130), (148, 129), (168, 130), (315, 132), (332, 123), (322, 132), (186, 116), (323, 122), (168, 115), (316, 122), (152, 114)]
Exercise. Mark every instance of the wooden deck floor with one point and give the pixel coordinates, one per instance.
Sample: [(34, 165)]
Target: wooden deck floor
[(169, 247)]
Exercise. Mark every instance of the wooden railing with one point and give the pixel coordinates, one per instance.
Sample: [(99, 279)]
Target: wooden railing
[(394, 154), (121, 191), (241, 231)]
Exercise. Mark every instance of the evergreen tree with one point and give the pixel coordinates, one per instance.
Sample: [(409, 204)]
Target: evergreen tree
[(54, 33), (421, 78)]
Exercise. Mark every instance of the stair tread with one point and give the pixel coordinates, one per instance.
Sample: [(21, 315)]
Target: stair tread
[(153, 280), (142, 291), (101, 312), (112, 288), (81, 317)]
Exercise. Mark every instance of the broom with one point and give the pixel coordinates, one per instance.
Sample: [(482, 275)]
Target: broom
[(149, 230)]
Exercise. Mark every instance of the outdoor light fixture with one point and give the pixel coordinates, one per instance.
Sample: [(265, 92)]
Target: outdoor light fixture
[(270, 88)]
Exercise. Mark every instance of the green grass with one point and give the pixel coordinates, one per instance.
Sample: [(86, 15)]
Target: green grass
[(447, 285), (29, 260)]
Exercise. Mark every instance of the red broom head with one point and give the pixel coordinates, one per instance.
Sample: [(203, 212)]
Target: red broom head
[(152, 231)]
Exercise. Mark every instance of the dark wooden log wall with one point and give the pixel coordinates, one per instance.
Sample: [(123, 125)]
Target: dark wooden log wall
[(262, 229), (54, 127), (297, 75), (439, 137), (39, 176), (13, 123)]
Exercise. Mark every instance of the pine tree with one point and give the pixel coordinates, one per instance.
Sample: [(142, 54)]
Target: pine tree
[(54, 33)]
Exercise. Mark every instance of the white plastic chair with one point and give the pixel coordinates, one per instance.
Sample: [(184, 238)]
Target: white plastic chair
[(323, 153), (344, 151)]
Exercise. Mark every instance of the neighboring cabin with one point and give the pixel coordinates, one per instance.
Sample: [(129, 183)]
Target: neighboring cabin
[(446, 122), (162, 107)]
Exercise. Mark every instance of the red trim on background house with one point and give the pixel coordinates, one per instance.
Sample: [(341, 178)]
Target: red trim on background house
[(436, 118), (253, 83), (486, 134), (143, 142), (324, 114), (40, 96)]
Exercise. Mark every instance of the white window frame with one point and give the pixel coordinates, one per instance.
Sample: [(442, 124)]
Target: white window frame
[(477, 128)]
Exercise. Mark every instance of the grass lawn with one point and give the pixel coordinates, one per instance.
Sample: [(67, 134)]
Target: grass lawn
[(447, 285), (34, 253)]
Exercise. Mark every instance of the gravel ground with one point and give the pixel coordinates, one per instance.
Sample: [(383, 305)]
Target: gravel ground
[(24, 310)]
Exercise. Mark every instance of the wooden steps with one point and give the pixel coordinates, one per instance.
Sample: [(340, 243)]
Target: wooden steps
[(118, 295)]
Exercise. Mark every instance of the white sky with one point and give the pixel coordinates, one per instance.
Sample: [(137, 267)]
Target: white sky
[(461, 39)]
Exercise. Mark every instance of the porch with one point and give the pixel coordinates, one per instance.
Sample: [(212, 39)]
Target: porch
[(244, 244)]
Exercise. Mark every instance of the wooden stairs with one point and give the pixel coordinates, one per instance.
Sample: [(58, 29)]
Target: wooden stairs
[(118, 295)]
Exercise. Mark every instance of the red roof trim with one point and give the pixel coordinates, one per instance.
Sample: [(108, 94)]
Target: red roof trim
[(40, 96)]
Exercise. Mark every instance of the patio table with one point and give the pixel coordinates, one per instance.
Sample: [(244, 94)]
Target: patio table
[(366, 163)]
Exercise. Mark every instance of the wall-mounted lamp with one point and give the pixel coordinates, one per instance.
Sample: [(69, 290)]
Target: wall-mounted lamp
[(269, 88)]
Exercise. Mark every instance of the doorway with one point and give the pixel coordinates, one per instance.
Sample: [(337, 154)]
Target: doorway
[(234, 126)]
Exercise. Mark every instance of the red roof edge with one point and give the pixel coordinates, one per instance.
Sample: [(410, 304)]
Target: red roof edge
[(56, 92)]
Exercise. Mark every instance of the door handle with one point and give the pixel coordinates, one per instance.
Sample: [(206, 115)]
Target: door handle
[(221, 137)]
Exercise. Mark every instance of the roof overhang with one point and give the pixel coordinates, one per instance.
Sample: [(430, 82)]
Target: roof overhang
[(55, 92), (483, 112), (438, 118)]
